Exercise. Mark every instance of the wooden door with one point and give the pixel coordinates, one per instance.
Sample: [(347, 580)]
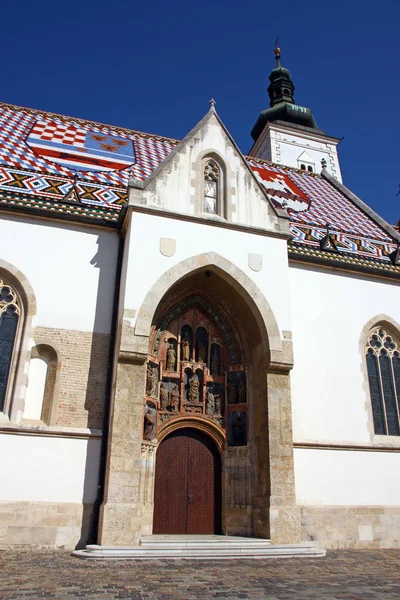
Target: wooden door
[(187, 496)]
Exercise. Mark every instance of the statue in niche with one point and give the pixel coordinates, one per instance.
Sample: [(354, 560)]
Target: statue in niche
[(242, 392), (238, 429), (163, 397), (185, 348), (213, 403), (149, 425), (174, 399), (194, 384), (202, 352), (232, 394), (150, 379), (214, 362), (171, 358), (210, 403)]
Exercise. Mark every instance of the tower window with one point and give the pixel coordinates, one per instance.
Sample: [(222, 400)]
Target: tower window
[(303, 167), (309, 169), (211, 187)]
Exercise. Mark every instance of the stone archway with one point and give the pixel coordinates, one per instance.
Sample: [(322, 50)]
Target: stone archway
[(273, 512)]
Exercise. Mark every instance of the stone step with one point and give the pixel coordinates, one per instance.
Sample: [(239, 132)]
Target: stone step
[(202, 550), (206, 541)]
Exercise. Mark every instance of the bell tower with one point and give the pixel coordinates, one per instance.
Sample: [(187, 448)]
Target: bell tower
[(287, 134)]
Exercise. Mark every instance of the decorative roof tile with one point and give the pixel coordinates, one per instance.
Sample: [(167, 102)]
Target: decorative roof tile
[(47, 159)]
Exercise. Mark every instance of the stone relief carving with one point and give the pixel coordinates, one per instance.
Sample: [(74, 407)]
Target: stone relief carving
[(237, 387), (164, 398), (174, 399)]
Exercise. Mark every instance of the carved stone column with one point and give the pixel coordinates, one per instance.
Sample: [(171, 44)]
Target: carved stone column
[(120, 516)]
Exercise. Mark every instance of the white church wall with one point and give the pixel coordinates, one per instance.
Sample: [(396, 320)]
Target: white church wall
[(329, 311), (49, 469), (194, 238), (349, 478), (70, 268)]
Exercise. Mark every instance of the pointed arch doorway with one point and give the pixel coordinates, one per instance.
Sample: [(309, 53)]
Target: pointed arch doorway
[(187, 496)]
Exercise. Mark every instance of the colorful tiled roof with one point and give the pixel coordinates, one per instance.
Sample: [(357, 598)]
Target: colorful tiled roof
[(48, 160)]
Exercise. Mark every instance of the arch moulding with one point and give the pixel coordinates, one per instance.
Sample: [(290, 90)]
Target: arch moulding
[(207, 427), (279, 359)]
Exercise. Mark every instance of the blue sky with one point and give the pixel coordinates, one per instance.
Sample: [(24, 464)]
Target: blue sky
[(153, 66)]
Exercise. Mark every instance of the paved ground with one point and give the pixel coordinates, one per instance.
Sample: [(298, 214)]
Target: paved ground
[(345, 575)]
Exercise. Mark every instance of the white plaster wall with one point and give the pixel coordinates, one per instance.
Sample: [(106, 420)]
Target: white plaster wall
[(146, 263), (336, 477), (70, 268), (177, 187), (329, 312), (35, 391), (47, 469)]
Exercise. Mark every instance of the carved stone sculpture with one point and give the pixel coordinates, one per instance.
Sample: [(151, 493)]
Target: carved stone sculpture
[(149, 425), (194, 384), (174, 399), (185, 348), (171, 358), (210, 403), (232, 394), (214, 362), (163, 397), (150, 379), (201, 352), (242, 392)]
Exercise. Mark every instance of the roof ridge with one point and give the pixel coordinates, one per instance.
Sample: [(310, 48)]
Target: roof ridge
[(46, 113)]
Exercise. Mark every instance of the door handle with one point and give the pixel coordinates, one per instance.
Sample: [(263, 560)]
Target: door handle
[(189, 497)]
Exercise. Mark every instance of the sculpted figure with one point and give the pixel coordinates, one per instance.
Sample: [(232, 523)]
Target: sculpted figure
[(242, 392), (148, 433), (163, 397), (194, 384), (185, 346), (201, 352), (217, 404), (232, 394), (210, 406), (174, 399), (150, 379), (214, 362), (171, 358)]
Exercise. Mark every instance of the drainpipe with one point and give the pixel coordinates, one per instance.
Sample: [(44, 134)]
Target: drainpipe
[(94, 519)]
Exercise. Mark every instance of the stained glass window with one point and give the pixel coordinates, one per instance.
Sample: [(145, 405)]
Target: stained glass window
[(383, 365), (211, 185), (9, 317)]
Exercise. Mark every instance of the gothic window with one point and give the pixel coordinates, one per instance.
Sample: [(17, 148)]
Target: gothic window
[(212, 177), (9, 318), (383, 365)]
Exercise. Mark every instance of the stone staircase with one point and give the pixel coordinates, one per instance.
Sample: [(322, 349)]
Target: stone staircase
[(200, 547)]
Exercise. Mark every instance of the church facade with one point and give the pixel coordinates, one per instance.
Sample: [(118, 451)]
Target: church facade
[(194, 341)]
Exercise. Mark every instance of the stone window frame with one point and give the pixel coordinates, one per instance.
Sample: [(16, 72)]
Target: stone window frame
[(393, 328), (49, 354), (18, 374), (223, 208)]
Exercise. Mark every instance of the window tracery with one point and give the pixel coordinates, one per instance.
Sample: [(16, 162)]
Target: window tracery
[(212, 178), (196, 367), (10, 313), (383, 366)]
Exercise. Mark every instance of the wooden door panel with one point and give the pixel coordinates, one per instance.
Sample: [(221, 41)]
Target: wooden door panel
[(187, 496), (201, 484), (170, 493)]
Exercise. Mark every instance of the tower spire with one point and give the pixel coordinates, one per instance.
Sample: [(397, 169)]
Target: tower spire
[(281, 88), (277, 53)]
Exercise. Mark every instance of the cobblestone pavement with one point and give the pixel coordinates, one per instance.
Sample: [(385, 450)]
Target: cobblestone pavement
[(349, 575)]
